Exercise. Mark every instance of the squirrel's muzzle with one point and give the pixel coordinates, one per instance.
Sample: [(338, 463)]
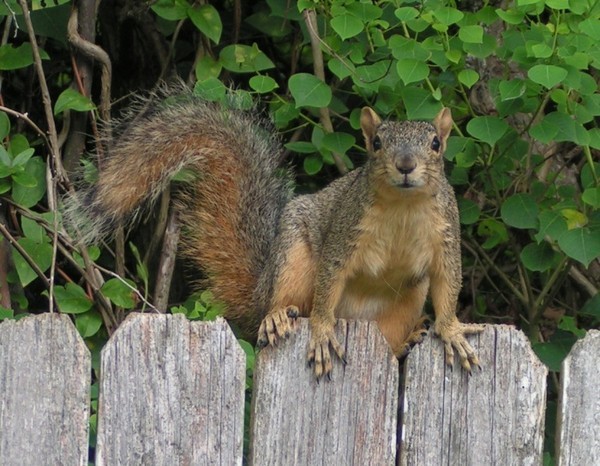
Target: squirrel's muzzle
[(406, 164)]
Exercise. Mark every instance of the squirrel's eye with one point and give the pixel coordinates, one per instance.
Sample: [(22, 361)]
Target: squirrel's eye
[(376, 143), (435, 144)]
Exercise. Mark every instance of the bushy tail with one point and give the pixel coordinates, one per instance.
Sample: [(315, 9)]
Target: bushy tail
[(229, 212)]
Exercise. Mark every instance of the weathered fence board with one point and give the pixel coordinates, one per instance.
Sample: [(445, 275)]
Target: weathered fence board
[(171, 393), (351, 419), (493, 416), (579, 412), (44, 392)]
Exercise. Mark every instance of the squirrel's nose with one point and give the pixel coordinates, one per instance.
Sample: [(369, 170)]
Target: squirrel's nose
[(406, 165)]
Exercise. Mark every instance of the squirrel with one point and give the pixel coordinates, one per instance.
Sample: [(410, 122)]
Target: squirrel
[(371, 245)]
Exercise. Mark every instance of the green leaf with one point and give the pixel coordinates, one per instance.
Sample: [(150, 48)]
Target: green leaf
[(545, 131), (552, 224), (403, 47), (541, 50), (23, 178), (347, 26), (309, 91), (558, 4), (206, 18), (448, 16), (171, 10), (338, 142), (581, 244), (301, 147), (28, 196), (513, 89), (18, 143), (468, 77), (469, 211), (520, 211), (33, 230), (313, 164), (13, 58), (591, 196), (592, 307), (547, 75), (554, 352), (481, 49), (589, 172), (4, 125), (5, 159), (244, 59), (569, 324), (263, 84), (567, 128), (471, 34), (591, 27), (250, 353), (574, 218), (528, 2), (511, 16), (411, 71), (406, 13), (368, 76), (285, 114), (365, 11), (23, 157), (537, 257), (72, 299), (119, 293), (140, 267), (6, 313), (207, 67), (342, 69), (88, 323), (211, 89), (420, 105), (40, 253), (487, 129), (494, 231), (70, 99)]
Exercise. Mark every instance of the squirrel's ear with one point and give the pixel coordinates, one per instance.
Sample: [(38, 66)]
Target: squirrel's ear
[(369, 121), (443, 125)]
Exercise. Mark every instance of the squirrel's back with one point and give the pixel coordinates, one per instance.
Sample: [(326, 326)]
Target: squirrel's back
[(230, 208)]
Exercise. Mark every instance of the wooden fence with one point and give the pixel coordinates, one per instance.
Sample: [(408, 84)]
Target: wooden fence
[(172, 393)]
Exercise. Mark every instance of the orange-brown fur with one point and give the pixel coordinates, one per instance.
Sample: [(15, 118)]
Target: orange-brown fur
[(382, 239), (371, 245)]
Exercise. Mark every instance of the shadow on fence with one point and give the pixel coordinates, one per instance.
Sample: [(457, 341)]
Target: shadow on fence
[(172, 393)]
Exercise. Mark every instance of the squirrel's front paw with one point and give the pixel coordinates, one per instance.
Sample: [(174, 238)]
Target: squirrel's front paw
[(452, 333), (277, 324), (319, 356)]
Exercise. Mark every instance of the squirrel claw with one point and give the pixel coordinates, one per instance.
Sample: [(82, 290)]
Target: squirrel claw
[(414, 338), (319, 355), (453, 336), (276, 326)]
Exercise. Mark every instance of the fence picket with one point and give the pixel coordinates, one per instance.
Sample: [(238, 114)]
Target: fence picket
[(493, 416), (351, 419), (171, 392), (579, 408), (44, 392)]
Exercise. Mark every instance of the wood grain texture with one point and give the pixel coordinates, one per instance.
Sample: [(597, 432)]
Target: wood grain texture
[(493, 416), (579, 410), (350, 420), (44, 392), (171, 393)]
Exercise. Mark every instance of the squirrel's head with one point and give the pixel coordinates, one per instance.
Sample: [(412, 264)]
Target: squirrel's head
[(408, 155)]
